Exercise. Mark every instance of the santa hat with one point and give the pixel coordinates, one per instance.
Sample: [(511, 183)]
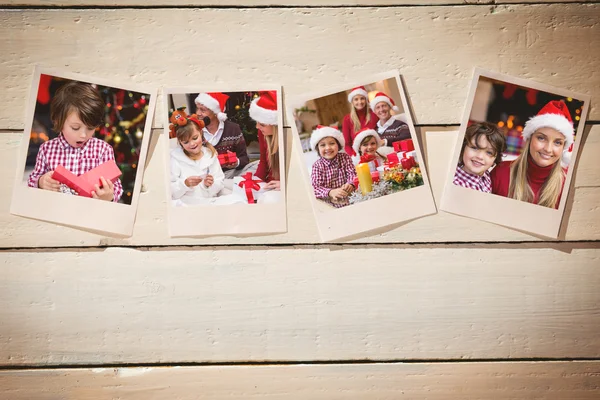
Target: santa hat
[(357, 91), (382, 97), (215, 102), (364, 133), (263, 109), (553, 115), (326, 131)]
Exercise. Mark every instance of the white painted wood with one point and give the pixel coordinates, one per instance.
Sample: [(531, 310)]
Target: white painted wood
[(298, 303), (431, 381), (262, 3), (151, 229), (435, 49)]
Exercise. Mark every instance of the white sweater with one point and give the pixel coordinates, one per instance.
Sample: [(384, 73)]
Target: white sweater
[(183, 167)]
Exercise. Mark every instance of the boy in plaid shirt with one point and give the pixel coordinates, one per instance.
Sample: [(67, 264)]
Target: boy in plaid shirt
[(481, 149), (333, 173), (76, 111)]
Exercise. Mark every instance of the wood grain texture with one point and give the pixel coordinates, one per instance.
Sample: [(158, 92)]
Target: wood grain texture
[(465, 381), (435, 49), (151, 229), (302, 304), (263, 3)]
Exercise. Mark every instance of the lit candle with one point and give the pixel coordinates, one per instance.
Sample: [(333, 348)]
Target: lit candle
[(364, 178)]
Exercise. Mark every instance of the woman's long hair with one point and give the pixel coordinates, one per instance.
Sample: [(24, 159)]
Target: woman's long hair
[(354, 115), (273, 151), (519, 189), (186, 131)]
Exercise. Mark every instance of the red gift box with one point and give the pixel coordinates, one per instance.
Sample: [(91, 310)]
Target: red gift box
[(248, 184), (393, 160), (84, 184), (404, 145), (371, 160), (408, 163), (227, 158)]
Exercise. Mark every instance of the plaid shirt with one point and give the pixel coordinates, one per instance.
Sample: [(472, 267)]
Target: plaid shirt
[(57, 152), (332, 174), (482, 183)]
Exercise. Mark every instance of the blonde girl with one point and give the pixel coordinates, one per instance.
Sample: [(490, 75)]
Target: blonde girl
[(360, 117)]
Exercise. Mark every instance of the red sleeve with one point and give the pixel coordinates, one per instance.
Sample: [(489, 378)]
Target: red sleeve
[(348, 130), (261, 170), (500, 176), (373, 122)]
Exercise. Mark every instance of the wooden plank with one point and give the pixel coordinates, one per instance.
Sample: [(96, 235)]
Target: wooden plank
[(465, 381), (150, 228), (435, 48), (300, 303), (263, 3)]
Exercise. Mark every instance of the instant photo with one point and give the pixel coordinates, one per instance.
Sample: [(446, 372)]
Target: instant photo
[(225, 161), (83, 152), (517, 145), (361, 157)]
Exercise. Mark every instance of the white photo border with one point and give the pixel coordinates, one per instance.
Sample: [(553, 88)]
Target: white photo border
[(233, 219), (74, 211), (339, 223), (539, 221)]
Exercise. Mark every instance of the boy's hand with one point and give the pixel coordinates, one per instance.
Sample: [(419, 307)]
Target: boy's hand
[(47, 183), (338, 194), (348, 188), (106, 192), (209, 180), (192, 181)]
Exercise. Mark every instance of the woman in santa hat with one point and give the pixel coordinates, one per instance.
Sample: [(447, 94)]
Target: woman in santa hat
[(223, 135), (537, 175), (263, 110), (359, 118), (390, 128)]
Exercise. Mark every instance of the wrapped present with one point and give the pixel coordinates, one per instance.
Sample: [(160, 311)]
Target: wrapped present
[(370, 160), (393, 160), (84, 184), (248, 187), (408, 163), (227, 158), (403, 145)]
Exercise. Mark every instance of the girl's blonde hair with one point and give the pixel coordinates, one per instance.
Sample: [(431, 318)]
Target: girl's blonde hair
[(354, 115), (519, 189), (273, 151), (186, 131)]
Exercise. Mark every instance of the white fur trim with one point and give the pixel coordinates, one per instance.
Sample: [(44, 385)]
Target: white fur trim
[(362, 135), (262, 115), (209, 102), (566, 158), (221, 116), (319, 134), (380, 99), (555, 121), (357, 92)]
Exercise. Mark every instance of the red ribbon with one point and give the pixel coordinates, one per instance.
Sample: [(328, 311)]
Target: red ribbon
[(248, 184)]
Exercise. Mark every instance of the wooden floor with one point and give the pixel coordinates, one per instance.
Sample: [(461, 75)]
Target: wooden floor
[(442, 307)]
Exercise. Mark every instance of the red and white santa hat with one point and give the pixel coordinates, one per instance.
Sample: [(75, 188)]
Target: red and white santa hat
[(215, 102), (357, 91), (326, 131), (382, 97), (263, 109), (554, 115), (364, 133)]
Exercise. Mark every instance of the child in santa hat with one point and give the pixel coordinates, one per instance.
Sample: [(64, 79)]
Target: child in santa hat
[(360, 116), (333, 173), (481, 149), (263, 110), (390, 129), (196, 174), (369, 142), (223, 135), (537, 175)]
